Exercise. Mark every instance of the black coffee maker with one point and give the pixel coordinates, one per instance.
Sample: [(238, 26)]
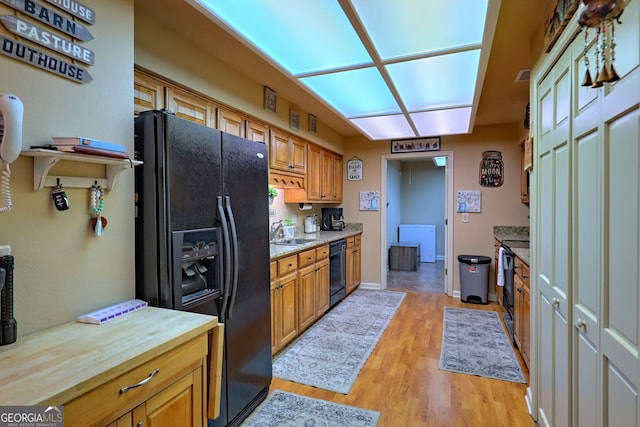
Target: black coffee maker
[(332, 219)]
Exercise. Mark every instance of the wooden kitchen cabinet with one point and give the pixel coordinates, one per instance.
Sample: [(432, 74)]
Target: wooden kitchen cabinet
[(231, 122), (287, 153), (173, 357), (284, 307), (522, 313), (525, 169), (324, 178), (354, 262), (178, 404), (313, 285), (190, 106), (148, 93), (306, 297), (257, 131), (322, 281)]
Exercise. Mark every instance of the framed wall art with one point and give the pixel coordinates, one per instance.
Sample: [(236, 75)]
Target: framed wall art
[(269, 99), (415, 144), (294, 119)]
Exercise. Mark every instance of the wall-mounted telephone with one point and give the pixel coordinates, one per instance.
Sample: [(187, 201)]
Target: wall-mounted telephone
[(11, 112)]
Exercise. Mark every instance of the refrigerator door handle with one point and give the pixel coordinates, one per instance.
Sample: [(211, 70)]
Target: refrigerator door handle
[(234, 237), (227, 259)]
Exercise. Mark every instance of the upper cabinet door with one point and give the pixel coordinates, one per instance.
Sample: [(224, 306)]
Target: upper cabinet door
[(230, 122), (287, 154), (257, 131), (148, 93), (189, 106)]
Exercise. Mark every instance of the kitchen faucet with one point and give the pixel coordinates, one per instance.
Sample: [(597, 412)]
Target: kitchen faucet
[(275, 228)]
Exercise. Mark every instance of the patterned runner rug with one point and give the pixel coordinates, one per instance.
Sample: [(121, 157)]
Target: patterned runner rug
[(331, 353), (284, 409), (474, 342)]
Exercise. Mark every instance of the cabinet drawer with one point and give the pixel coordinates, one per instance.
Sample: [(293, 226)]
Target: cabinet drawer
[(322, 252), (306, 258), (357, 240), (522, 270), (106, 402), (351, 242), (273, 270), (287, 265)]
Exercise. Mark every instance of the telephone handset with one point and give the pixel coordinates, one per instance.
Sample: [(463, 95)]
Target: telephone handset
[(11, 112)]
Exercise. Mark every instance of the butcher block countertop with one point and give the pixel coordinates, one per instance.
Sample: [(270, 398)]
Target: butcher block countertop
[(59, 364)]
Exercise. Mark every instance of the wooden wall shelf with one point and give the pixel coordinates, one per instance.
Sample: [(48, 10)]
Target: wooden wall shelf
[(44, 160)]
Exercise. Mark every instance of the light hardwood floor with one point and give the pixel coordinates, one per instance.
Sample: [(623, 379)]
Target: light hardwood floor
[(401, 379)]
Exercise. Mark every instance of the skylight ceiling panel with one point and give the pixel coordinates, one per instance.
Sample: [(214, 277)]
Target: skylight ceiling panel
[(354, 93), (384, 127), (437, 82), (302, 37), (414, 27), (443, 122)]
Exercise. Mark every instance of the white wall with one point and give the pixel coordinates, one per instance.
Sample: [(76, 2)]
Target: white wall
[(394, 201), (61, 268), (423, 188)]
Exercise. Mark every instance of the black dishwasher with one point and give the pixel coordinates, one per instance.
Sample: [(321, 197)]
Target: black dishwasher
[(337, 271)]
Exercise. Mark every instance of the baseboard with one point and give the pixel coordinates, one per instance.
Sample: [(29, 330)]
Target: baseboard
[(374, 286), (528, 399)]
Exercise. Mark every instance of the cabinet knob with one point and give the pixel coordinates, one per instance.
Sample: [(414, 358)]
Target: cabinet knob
[(139, 424), (524, 276), (581, 324), (555, 302)]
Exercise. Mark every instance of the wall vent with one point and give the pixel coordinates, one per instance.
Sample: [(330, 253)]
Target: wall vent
[(523, 76)]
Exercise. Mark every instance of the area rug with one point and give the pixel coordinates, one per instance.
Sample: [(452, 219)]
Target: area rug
[(282, 409), (331, 353), (474, 342)]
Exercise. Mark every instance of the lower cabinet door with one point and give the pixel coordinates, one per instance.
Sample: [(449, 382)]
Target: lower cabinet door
[(180, 404)]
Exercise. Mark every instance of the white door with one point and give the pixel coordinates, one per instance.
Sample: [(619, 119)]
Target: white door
[(553, 234)]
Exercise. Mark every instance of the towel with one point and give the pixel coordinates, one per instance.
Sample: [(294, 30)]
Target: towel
[(500, 278)]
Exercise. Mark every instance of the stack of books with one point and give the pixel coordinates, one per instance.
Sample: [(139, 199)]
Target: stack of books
[(81, 145)]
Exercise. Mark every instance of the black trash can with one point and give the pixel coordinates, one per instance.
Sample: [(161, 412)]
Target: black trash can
[(474, 278)]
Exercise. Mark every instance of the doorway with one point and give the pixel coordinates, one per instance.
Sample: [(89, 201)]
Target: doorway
[(390, 218)]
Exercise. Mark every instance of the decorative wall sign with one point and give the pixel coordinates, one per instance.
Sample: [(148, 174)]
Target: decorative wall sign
[(269, 99), (44, 61), (491, 169), (369, 200), (469, 200), (354, 169), (415, 144), (76, 9), (51, 18), (47, 39), (294, 119), (312, 123)]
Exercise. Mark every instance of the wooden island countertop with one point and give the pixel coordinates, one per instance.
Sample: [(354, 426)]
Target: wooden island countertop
[(57, 365)]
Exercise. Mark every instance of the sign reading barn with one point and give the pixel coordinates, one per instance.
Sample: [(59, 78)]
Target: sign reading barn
[(50, 17)]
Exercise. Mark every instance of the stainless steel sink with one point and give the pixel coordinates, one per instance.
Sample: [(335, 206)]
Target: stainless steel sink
[(292, 242)]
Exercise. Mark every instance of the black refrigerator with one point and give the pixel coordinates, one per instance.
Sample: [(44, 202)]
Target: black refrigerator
[(202, 242)]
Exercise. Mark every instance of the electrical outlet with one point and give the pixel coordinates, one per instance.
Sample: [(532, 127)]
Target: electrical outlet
[(272, 212), (465, 217)]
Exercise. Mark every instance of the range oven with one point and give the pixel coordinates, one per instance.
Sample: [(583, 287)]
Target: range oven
[(337, 271)]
